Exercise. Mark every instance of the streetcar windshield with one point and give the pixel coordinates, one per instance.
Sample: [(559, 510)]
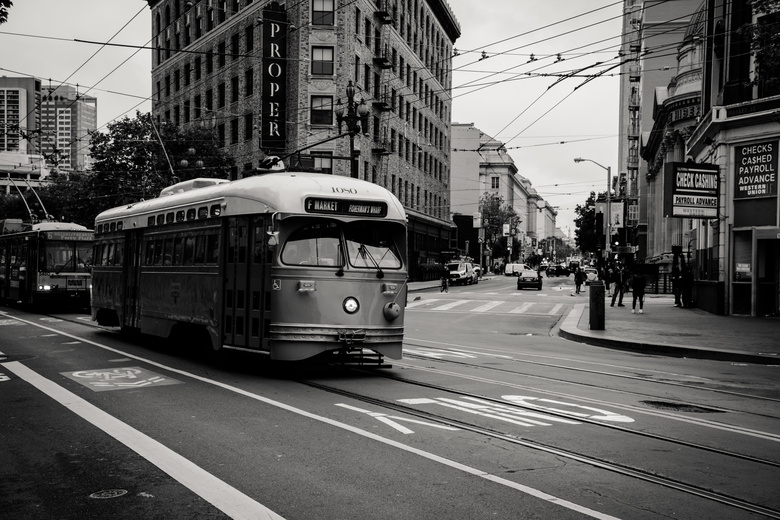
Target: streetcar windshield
[(66, 256), (315, 244), (370, 245)]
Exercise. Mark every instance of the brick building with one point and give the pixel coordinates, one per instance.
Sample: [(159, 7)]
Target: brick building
[(270, 77)]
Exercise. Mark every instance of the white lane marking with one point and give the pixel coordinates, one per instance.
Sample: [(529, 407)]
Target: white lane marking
[(555, 309), (448, 306), (420, 302), (487, 306), (224, 497), (369, 435), (390, 420), (523, 308)]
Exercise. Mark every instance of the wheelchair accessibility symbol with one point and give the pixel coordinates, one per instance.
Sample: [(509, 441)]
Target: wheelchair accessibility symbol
[(119, 378)]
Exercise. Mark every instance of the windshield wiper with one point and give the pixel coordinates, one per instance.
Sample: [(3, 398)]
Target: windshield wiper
[(363, 250), (58, 271)]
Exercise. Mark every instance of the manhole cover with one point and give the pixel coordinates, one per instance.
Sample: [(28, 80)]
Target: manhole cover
[(679, 407), (108, 493)]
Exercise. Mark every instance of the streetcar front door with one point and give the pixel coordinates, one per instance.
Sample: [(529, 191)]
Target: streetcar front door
[(131, 275), (245, 270)]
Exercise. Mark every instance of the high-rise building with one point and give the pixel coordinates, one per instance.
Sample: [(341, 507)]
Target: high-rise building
[(274, 79), (66, 119), (19, 115)]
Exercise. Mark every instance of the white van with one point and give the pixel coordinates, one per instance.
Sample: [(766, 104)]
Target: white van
[(514, 269)]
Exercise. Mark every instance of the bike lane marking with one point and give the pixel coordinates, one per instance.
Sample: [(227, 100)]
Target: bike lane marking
[(239, 505), (217, 492)]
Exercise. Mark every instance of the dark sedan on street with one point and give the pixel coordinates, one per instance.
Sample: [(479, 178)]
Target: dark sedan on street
[(529, 279)]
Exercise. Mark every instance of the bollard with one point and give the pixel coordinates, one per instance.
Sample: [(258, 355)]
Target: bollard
[(596, 295)]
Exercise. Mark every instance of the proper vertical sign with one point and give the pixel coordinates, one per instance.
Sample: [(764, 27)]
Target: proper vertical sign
[(755, 170)]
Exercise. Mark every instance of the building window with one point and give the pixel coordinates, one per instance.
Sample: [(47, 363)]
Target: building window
[(234, 47), (197, 68), (322, 12), (249, 126), (221, 54), (249, 81), (322, 61), (234, 89), (234, 131), (322, 110), (323, 161), (249, 36), (221, 95)]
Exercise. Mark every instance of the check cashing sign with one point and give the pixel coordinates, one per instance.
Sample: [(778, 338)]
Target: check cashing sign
[(755, 170), (691, 190)]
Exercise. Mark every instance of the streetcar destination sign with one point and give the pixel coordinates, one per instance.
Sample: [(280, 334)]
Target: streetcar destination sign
[(345, 207)]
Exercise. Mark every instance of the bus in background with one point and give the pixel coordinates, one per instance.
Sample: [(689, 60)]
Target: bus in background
[(288, 264), (46, 263)]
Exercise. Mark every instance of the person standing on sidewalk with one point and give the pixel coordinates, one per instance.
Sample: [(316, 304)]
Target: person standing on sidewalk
[(579, 277), (638, 283), (676, 284), (619, 279)]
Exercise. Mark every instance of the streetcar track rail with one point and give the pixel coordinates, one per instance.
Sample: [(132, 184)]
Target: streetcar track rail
[(614, 467), (589, 371)]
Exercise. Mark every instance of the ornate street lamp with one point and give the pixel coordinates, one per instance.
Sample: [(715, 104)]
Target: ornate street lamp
[(356, 118), (184, 162)]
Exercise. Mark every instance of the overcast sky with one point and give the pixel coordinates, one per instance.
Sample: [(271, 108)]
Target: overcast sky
[(506, 95)]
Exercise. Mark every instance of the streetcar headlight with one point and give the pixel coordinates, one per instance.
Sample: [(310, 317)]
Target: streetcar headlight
[(351, 305)]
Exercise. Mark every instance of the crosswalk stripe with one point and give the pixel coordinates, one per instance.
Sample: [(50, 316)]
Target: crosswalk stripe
[(523, 308), (420, 302), (555, 309), (487, 306), (448, 306)]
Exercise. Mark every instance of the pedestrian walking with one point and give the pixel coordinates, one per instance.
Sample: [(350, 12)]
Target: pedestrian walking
[(686, 286), (579, 278), (619, 281), (676, 285), (638, 283)]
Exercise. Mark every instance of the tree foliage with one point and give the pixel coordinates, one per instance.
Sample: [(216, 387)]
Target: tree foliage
[(5, 5), (130, 164), (586, 236), (495, 213)]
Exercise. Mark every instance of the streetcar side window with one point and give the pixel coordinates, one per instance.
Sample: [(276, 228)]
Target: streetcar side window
[(84, 259), (104, 255), (157, 260), (160, 219), (189, 251), (98, 249), (168, 251), (200, 249), (212, 249), (180, 216), (191, 214), (149, 256), (150, 221), (178, 250), (110, 254), (203, 212), (215, 210)]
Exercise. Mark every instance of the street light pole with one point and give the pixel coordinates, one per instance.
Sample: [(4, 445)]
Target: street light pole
[(608, 238), (356, 117)]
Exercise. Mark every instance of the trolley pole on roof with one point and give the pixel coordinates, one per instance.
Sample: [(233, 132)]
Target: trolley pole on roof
[(356, 118)]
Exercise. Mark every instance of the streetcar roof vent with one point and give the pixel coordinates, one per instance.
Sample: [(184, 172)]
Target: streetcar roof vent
[(192, 184), (11, 225)]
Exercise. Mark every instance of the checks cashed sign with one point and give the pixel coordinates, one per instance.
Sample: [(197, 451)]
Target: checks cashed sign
[(755, 170), (691, 190)]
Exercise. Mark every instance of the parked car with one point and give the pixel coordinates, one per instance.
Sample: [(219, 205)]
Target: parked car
[(462, 273), (528, 278), (591, 275), (478, 270)]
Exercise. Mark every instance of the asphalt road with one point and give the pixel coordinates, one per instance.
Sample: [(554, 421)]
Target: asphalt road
[(489, 415)]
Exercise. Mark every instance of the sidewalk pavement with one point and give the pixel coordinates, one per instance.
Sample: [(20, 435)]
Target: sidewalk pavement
[(669, 330)]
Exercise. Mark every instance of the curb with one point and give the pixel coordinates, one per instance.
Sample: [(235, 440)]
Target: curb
[(570, 330)]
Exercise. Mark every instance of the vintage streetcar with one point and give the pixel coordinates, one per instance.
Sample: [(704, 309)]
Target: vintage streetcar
[(288, 264), (45, 263)]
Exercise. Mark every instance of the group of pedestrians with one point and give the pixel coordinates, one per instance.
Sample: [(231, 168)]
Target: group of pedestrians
[(621, 279)]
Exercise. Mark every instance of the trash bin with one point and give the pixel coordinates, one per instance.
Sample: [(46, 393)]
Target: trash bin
[(596, 300)]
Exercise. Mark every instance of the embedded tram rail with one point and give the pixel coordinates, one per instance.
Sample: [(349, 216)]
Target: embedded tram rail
[(702, 491)]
